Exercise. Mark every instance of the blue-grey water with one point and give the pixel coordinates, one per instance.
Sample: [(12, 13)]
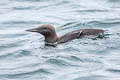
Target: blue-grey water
[(23, 55)]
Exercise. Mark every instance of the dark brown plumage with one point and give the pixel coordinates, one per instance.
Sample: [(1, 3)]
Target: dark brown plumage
[(48, 31)]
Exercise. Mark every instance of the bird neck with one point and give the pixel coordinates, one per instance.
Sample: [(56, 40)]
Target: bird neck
[(51, 39)]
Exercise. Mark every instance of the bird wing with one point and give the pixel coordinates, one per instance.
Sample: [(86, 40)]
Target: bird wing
[(70, 36), (79, 33), (91, 31)]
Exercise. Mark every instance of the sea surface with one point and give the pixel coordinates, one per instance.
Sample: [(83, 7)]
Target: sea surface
[(23, 55)]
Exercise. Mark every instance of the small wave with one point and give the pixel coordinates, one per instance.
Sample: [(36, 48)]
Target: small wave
[(5, 53), (53, 4), (69, 23), (24, 53), (91, 10), (93, 77), (10, 35), (100, 22), (57, 62), (113, 0), (22, 8), (73, 58), (27, 0), (21, 22), (72, 25), (104, 24), (3, 4), (77, 24), (3, 56), (24, 73), (114, 70), (61, 63), (118, 34)]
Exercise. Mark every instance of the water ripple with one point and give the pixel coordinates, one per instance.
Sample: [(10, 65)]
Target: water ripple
[(23, 55), (22, 8), (22, 22), (114, 70)]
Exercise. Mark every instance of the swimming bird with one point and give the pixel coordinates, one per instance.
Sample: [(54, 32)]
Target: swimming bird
[(51, 37)]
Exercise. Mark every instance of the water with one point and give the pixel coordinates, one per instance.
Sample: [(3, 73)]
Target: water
[(23, 55)]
